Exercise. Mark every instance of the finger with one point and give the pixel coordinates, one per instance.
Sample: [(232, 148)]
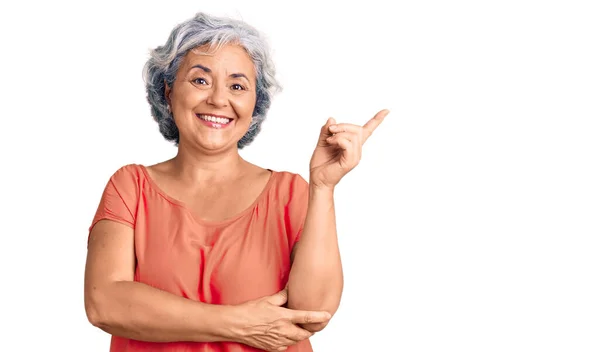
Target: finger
[(284, 343), (297, 334), (307, 317), (350, 147), (325, 130), (284, 348), (345, 127), (278, 299), (372, 124), (344, 140), (359, 131)]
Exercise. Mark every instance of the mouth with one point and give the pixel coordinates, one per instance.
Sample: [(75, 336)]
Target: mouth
[(214, 121)]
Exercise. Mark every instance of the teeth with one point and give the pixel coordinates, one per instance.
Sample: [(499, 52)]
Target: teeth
[(220, 120)]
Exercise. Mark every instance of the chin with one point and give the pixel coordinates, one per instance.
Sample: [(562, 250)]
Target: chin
[(216, 145)]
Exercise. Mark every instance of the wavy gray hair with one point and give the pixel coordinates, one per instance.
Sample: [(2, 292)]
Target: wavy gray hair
[(200, 30)]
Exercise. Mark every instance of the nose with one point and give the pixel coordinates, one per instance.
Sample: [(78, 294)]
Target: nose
[(217, 96)]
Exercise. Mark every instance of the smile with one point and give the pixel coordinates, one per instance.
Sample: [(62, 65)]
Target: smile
[(214, 121)]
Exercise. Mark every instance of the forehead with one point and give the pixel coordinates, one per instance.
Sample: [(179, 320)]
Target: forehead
[(228, 58)]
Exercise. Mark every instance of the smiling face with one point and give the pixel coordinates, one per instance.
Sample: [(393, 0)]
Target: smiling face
[(213, 97)]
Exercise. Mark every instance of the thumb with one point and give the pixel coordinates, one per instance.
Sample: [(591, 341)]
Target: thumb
[(278, 299), (325, 129)]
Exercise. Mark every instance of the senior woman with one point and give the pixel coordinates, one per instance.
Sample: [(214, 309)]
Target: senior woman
[(206, 251)]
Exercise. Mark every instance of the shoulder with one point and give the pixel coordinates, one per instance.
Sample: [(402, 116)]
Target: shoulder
[(290, 177), (290, 185), (120, 198), (129, 171), (128, 178)]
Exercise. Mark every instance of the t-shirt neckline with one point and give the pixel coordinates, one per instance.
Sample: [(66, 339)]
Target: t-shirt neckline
[(195, 216)]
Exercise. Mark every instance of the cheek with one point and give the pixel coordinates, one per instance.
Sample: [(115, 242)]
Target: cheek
[(184, 97), (244, 107), (193, 96)]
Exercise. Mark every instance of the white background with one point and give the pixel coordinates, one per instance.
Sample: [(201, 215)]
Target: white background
[(472, 223)]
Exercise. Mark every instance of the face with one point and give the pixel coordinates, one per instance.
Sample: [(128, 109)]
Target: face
[(213, 97)]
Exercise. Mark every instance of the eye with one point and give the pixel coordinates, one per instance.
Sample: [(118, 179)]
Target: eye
[(200, 81), (237, 86)]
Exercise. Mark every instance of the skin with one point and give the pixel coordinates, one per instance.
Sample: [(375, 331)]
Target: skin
[(316, 277), (209, 170)]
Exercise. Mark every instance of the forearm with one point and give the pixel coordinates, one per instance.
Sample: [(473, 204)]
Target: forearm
[(138, 311), (316, 280)]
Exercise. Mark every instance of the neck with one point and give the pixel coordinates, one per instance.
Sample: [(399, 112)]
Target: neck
[(197, 166)]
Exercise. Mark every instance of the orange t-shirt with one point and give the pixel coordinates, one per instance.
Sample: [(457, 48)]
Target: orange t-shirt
[(228, 262)]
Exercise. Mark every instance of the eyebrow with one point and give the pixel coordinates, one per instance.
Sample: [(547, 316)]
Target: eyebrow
[(203, 68), (239, 75), (208, 70)]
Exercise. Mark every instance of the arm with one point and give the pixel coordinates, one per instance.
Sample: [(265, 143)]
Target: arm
[(316, 278), (120, 306)]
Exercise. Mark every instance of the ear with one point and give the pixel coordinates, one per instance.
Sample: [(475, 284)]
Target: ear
[(167, 93)]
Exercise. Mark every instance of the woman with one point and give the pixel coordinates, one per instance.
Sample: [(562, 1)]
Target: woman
[(202, 252)]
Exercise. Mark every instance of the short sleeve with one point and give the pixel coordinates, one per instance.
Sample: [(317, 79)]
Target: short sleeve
[(119, 199), (296, 208)]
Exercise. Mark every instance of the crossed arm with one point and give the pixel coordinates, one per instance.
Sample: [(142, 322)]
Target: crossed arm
[(117, 304), (120, 306), (316, 278)]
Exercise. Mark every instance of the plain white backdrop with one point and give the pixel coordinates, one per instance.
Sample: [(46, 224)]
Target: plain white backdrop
[(471, 224)]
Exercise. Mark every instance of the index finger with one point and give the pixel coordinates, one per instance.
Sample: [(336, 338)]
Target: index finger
[(307, 317), (372, 124)]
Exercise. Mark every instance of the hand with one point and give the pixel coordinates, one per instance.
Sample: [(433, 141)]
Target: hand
[(270, 327), (339, 150)]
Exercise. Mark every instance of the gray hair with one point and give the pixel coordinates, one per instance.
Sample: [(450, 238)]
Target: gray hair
[(200, 30)]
